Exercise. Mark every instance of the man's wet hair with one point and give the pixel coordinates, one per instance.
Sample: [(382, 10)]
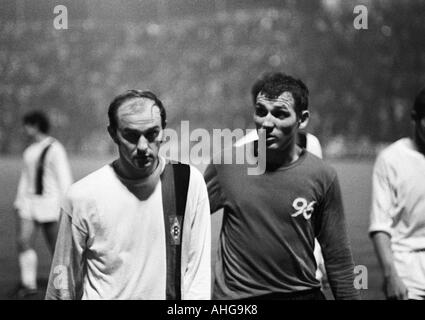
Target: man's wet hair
[(419, 105), (37, 119), (130, 95), (273, 84)]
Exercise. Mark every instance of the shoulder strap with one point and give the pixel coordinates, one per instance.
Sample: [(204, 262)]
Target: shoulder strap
[(40, 171), (175, 183)]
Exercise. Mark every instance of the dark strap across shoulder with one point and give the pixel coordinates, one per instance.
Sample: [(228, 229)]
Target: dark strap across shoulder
[(39, 188), (175, 183)]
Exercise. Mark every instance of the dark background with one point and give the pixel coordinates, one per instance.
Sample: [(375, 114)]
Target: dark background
[(202, 56)]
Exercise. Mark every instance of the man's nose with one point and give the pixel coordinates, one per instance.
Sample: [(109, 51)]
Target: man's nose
[(268, 123), (142, 144)]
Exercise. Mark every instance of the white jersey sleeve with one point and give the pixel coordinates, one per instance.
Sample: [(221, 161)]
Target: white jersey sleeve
[(66, 274), (383, 197)]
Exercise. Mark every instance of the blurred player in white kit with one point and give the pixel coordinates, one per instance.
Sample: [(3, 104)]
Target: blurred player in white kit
[(45, 177), (397, 221)]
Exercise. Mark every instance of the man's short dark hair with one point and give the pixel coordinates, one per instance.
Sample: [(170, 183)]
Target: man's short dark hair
[(419, 104), (129, 95), (273, 84), (38, 119)]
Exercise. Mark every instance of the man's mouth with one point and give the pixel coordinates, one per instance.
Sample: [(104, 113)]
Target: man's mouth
[(270, 139), (143, 161)]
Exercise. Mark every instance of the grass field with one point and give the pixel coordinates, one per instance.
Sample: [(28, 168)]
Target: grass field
[(355, 178)]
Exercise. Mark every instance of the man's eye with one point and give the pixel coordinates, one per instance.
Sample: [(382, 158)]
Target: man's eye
[(281, 114), (131, 137), (151, 136), (261, 112)]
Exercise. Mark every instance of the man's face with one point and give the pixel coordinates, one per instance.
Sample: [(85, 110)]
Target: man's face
[(30, 131), (138, 135), (279, 120)]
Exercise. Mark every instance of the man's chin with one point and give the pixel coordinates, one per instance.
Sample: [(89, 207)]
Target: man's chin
[(274, 147), (144, 165), (277, 150)]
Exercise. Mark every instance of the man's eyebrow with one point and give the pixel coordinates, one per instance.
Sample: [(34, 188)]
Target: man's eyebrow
[(130, 130), (153, 128), (281, 106), (139, 131)]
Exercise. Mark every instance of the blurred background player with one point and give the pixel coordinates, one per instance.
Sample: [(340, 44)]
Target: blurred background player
[(397, 222), (45, 177)]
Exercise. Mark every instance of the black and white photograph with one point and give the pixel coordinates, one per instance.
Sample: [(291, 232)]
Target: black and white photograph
[(227, 150)]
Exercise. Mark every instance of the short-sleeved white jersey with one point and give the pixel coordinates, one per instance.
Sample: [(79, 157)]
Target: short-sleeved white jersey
[(57, 178), (398, 208), (398, 196), (111, 244)]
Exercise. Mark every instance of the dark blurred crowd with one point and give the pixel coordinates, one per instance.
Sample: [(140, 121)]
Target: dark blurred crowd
[(361, 81)]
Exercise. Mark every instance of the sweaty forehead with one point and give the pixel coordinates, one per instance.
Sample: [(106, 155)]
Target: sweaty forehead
[(285, 98), (139, 111)]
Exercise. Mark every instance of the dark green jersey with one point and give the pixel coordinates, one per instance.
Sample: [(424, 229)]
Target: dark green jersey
[(269, 225)]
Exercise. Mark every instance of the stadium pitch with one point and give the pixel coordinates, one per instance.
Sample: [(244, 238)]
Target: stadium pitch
[(355, 179)]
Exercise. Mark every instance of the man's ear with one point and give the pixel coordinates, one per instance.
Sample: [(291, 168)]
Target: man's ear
[(303, 119), (113, 133)]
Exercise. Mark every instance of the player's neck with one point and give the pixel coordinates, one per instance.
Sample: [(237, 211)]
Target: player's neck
[(39, 137), (282, 158)]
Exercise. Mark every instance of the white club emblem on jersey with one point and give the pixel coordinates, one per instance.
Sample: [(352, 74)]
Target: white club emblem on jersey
[(303, 207), (175, 230)]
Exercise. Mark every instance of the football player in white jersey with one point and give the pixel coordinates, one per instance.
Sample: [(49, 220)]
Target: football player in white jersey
[(127, 230), (397, 222), (45, 177)]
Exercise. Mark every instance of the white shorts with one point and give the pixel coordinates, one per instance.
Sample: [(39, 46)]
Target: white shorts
[(411, 269), (40, 209)]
